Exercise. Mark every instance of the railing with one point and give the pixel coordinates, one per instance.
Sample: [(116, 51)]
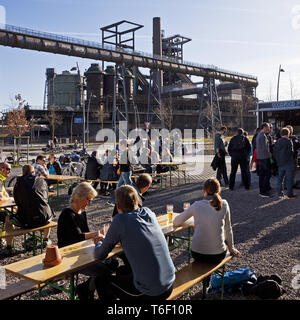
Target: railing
[(76, 41)]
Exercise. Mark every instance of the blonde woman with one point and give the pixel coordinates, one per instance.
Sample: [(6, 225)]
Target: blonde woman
[(213, 233), (72, 223), (73, 227)]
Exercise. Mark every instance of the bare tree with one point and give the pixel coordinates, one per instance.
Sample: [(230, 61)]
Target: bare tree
[(54, 119), (166, 111), (101, 114), (17, 125)]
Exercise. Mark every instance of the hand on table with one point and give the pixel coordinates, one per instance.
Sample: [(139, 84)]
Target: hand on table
[(98, 236)]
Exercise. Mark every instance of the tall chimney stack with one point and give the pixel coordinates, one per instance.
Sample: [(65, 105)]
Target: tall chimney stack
[(157, 50)]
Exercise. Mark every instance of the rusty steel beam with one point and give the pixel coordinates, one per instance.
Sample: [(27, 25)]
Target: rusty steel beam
[(39, 41)]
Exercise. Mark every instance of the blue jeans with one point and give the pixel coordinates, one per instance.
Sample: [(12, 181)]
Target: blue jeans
[(287, 172), (125, 178)]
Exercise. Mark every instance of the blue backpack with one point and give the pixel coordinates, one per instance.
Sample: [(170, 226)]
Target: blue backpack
[(231, 278)]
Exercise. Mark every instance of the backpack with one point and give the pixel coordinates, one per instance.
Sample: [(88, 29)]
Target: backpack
[(231, 278), (267, 289), (239, 143)]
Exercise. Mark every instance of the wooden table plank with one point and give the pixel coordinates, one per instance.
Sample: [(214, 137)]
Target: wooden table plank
[(7, 203), (75, 257), (61, 178)]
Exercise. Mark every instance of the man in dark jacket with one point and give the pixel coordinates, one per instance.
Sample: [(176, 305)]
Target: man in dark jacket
[(239, 149), (284, 155), (31, 196), (93, 168), (295, 141), (220, 151)]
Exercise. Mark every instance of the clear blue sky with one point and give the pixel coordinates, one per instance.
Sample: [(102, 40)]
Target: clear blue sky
[(251, 37)]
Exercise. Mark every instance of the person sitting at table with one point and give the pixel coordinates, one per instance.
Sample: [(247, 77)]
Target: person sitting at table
[(93, 168), (145, 159), (31, 197), (145, 247), (166, 157), (142, 184), (72, 227), (54, 168), (5, 170), (109, 171), (40, 166), (212, 232), (53, 165)]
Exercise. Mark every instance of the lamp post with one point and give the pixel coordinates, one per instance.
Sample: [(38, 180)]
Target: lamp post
[(280, 70), (88, 117), (83, 107)]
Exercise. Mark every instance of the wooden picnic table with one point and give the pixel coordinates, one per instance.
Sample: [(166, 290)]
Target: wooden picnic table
[(169, 164), (76, 257), (62, 179), (8, 205), (10, 202)]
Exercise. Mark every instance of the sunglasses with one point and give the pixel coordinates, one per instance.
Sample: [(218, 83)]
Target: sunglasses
[(8, 169)]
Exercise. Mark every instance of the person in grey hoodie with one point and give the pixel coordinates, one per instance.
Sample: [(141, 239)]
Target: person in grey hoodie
[(284, 155), (264, 155)]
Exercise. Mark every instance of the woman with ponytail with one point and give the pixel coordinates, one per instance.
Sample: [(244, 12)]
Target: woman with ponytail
[(212, 233)]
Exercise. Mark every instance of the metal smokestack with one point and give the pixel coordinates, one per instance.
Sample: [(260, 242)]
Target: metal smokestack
[(157, 50)]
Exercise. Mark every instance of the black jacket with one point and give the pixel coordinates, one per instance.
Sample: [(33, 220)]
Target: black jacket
[(57, 167), (296, 145), (31, 197), (284, 152), (239, 146), (93, 168), (71, 227)]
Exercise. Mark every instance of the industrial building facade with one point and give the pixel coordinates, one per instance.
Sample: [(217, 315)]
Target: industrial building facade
[(165, 97)]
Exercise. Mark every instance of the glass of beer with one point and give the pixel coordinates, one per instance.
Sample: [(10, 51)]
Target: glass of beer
[(170, 213), (186, 205), (105, 228)]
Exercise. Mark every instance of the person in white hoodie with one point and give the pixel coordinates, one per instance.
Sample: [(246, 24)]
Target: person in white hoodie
[(212, 232)]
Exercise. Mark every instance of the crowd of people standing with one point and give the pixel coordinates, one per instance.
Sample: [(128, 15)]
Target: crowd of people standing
[(272, 153)]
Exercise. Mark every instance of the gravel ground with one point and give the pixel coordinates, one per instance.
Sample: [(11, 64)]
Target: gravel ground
[(266, 231)]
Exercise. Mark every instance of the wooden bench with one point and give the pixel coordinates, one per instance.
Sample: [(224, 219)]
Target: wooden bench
[(109, 181), (93, 180), (23, 231), (163, 176), (195, 272), (17, 289), (183, 168)]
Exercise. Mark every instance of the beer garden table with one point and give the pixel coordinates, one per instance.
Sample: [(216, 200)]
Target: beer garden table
[(76, 257)]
